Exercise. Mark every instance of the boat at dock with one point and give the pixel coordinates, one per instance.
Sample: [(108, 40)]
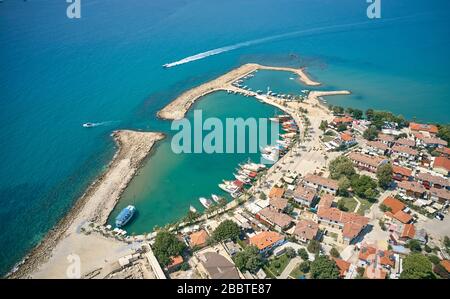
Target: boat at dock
[(242, 178), (125, 216), (205, 202)]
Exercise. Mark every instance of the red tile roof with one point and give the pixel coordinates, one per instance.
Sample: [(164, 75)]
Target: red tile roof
[(423, 127), (400, 216), (305, 193), (405, 150), (443, 150), (279, 219), (346, 137), (394, 204), (386, 138), (326, 200), (412, 186), (306, 229), (378, 145), (175, 261), (344, 119), (373, 161), (440, 193), (319, 180), (198, 238), (406, 142), (278, 203), (442, 162), (446, 265), (401, 170), (342, 265), (409, 231), (265, 239), (434, 179), (276, 192)]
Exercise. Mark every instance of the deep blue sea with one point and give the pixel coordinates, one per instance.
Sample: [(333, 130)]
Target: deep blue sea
[(57, 73)]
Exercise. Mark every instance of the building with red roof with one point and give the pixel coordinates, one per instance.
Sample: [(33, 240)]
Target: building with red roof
[(442, 165)]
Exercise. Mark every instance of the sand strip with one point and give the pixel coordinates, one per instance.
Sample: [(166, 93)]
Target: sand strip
[(95, 205)]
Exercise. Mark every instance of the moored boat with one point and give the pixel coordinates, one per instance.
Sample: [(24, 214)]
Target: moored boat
[(125, 216), (205, 202)]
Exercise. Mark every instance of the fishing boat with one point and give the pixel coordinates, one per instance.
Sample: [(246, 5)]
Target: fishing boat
[(125, 215), (205, 202), (215, 198), (248, 173), (253, 167)]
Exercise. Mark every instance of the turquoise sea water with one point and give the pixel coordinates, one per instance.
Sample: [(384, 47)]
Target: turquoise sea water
[(58, 73)]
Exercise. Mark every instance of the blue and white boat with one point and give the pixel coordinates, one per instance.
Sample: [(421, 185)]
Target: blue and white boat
[(125, 215)]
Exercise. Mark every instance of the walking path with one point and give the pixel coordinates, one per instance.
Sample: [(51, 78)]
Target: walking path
[(290, 267)]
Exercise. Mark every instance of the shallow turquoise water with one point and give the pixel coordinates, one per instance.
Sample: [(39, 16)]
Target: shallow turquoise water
[(58, 73)]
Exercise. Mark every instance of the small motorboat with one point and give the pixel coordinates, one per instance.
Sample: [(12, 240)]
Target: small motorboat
[(88, 125)]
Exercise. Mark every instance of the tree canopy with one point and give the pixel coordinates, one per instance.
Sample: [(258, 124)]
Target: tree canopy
[(248, 259), (417, 266), (371, 133), (364, 186), (324, 268), (384, 175), (341, 166), (166, 246), (313, 246), (444, 132), (226, 230)]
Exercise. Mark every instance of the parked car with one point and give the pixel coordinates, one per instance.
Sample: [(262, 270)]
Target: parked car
[(439, 216)]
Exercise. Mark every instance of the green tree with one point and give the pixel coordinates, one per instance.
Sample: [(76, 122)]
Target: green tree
[(313, 246), (360, 185), (369, 114), (341, 166), (334, 253), (385, 208), (356, 113), (341, 205), (434, 259), (324, 268), (444, 132), (226, 230), (384, 175), (166, 246), (323, 125), (414, 246), (305, 266), (417, 266), (290, 252), (248, 259), (341, 128), (370, 133), (344, 185), (303, 254), (191, 216)]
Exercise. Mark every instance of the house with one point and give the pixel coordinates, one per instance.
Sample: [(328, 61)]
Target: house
[(305, 196), (432, 142), (198, 239), (216, 266), (360, 126), (350, 224), (345, 120), (321, 184), (175, 263), (278, 204), (373, 272), (411, 189), (274, 218), (377, 261), (405, 142), (400, 173), (405, 152), (442, 165), (277, 192), (266, 241), (396, 211), (366, 162), (446, 265), (343, 266), (326, 200), (423, 128), (386, 139), (306, 230), (440, 195), (444, 151), (408, 232), (347, 140), (429, 180), (378, 147)]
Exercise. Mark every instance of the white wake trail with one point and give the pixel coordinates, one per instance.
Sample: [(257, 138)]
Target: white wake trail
[(275, 37)]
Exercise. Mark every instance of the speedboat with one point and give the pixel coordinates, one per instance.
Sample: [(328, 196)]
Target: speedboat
[(88, 125), (205, 202), (125, 215), (242, 178)]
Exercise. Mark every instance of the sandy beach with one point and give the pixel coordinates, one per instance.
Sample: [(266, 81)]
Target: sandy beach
[(177, 108), (49, 258)]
